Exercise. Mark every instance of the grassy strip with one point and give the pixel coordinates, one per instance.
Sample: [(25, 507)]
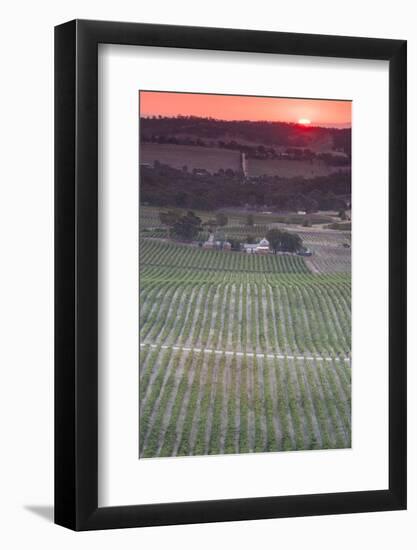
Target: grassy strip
[(158, 317), (229, 446), (243, 334), (261, 322), (214, 444), (243, 434), (332, 409), (172, 316), (155, 390), (190, 320), (295, 408), (271, 322), (321, 412), (184, 447), (223, 331), (313, 442), (258, 408), (237, 321), (182, 312), (202, 425), (271, 442), (171, 431), (147, 369), (207, 321), (196, 325), (283, 409), (152, 442), (345, 402), (143, 355), (253, 319)]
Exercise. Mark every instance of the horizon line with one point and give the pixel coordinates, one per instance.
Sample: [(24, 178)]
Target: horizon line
[(330, 125)]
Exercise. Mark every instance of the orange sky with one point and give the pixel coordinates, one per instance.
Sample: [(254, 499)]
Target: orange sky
[(228, 107)]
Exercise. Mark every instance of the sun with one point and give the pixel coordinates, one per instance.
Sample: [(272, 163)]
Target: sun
[(304, 121)]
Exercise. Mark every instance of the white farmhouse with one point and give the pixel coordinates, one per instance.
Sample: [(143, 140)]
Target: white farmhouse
[(263, 247), (260, 248), (210, 242)]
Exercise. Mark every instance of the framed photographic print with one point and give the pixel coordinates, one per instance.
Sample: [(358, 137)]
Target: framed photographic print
[(230, 275)]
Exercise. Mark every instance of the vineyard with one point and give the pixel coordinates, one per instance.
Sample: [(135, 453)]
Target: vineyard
[(331, 248), (332, 252), (242, 353), (167, 254), (195, 403)]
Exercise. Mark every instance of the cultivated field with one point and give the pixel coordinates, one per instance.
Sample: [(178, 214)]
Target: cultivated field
[(177, 156), (213, 159), (168, 255), (195, 403), (243, 353), (331, 255)]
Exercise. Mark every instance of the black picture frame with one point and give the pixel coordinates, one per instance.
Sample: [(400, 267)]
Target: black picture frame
[(76, 272)]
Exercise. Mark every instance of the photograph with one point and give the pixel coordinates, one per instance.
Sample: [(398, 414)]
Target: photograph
[(180, 183), (245, 274)]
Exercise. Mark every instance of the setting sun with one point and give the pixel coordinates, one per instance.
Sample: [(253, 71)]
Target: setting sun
[(305, 112)]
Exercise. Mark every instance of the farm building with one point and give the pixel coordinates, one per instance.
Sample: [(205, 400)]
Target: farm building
[(259, 248), (263, 247), (250, 248), (211, 244)]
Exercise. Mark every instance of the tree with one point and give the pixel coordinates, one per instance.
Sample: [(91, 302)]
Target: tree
[(221, 219), (310, 205), (211, 225), (332, 202), (180, 199), (169, 218), (187, 227), (284, 241), (291, 242), (235, 244), (250, 220), (274, 237)]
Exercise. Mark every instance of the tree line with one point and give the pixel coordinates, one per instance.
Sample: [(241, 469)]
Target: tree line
[(261, 132), (165, 186)]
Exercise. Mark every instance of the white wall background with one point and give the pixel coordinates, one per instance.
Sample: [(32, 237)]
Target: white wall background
[(26, 272)]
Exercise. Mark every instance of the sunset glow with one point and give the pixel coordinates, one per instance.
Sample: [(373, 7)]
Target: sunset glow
[(318, 112)]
